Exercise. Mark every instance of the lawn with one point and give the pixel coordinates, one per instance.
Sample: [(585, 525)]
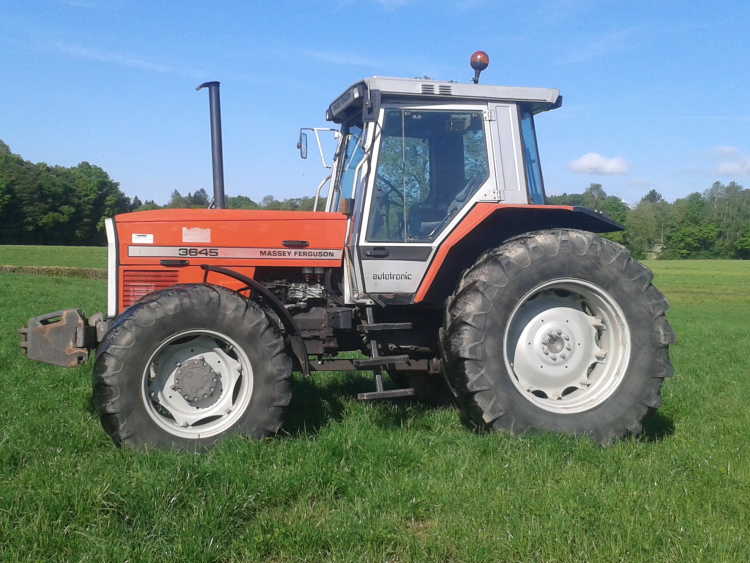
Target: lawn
[(385, 482), (68, 256)]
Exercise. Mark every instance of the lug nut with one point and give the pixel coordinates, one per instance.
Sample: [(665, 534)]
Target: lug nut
[(558, 332), (566, 337), (553, 358)]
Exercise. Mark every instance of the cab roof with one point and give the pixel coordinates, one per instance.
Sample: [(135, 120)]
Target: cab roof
[(368, 92)]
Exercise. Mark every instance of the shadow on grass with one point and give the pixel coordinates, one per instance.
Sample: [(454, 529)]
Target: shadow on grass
[(316, 403), (656, 427)]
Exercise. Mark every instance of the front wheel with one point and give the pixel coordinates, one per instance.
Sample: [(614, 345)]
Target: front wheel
[(557, 330), (189, 365)]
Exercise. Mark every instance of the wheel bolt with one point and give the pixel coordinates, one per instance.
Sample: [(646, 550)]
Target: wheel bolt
[(546, 352), (563, 356), (553, 358), (567, 347), (566, 337), (558, 332)]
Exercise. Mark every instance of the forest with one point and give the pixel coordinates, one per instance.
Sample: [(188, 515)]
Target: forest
[(43, 204)]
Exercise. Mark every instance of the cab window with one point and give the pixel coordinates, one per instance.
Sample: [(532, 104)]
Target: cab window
[(430, 165)]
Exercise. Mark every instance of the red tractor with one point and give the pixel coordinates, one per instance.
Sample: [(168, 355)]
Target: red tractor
[(435, 257)]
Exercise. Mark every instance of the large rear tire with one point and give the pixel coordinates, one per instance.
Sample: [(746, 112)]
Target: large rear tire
[(189, 365), (557, 330)]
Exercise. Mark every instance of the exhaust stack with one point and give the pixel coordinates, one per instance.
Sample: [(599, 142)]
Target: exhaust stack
[(217, 152)]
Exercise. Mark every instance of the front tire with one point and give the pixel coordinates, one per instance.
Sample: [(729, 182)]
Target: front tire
[(557, 330), (189, 365)]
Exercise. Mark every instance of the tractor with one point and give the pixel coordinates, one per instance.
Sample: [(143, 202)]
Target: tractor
[(431, 261)]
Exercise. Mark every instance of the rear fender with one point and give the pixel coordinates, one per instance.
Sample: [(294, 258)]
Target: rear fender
[(487, 226)]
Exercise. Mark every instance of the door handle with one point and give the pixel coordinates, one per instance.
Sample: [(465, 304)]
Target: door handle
[(295, 243), (377, 252)]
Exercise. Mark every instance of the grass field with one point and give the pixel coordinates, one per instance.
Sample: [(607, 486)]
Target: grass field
[(68, 256), (386, 482)]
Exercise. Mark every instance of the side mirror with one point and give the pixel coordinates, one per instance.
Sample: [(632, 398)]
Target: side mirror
[(302, 144)]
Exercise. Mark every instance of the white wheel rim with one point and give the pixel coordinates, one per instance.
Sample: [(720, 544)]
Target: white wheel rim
[(197, 384), (567, 346)]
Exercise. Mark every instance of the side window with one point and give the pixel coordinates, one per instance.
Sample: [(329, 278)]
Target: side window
[(531, 158), (431, 163), (353, 156)]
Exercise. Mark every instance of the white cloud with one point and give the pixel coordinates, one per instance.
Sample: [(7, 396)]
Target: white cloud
[(739, 167), (121, 59), (734, 163), (594, 163), (726, 150), (342, 58)]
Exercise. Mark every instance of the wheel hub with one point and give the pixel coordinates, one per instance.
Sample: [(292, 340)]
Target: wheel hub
[(557, 345), (198, 383)]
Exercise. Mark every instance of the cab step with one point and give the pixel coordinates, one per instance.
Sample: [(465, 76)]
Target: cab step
[(380, 361), (387, 394)]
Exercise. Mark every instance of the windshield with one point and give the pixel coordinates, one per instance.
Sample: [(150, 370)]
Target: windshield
[(353, 154), (430, 165)]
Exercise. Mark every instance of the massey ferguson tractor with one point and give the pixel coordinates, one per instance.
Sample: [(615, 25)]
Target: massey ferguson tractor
[(432, 260)]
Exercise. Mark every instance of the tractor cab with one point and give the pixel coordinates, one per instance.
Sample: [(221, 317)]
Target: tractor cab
[(414, 156)]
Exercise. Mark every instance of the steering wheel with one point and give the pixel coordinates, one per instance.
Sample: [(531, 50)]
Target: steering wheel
[(458, 202), (390, 187)]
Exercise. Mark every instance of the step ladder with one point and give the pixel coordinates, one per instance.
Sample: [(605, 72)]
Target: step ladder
[(380, 363)]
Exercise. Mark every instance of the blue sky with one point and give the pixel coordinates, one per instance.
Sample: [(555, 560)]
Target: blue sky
[(655, 93)]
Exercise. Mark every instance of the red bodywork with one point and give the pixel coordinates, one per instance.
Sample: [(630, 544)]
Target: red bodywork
[(231, 232), (180, 240)]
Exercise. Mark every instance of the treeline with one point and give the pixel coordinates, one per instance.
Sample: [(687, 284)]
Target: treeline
[(712, 224), (200, 198), (43, 204)]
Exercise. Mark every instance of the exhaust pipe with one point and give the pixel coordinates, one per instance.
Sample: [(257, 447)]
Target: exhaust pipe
[(217, 153)]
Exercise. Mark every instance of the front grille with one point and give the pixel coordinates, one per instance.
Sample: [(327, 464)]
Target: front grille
[(138, 283)]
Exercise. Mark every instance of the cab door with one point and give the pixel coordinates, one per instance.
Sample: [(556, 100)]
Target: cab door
[(429, 165)]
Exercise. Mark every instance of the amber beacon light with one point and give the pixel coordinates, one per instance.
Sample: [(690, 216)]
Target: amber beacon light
[(479, 61)]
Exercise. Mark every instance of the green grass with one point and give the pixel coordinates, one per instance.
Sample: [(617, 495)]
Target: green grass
[(69, 256), (386, 482)]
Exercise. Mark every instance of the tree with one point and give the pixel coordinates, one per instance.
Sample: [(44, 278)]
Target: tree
[(652, 197), (241, 202)]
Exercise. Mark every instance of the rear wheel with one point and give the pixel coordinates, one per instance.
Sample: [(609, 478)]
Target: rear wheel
[(189, 365), (557, 330)]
